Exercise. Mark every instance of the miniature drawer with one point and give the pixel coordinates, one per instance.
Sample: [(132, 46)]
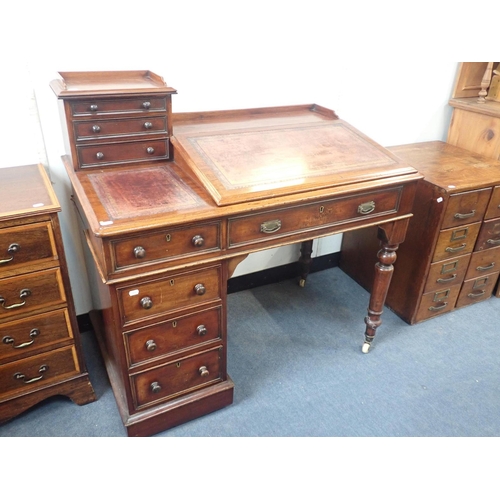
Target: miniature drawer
[(279, 223), (21, 338), (176, 378), (99, 107), (29, 292), (107, 129), (127, 152), (437, 302), (447, 273), (477, 289), (466, 208), (489, 236), (37, 371), (20, 245), (170, 336), (493, 209), (153, 298), (165, 245), (456, 241), (485, 262)]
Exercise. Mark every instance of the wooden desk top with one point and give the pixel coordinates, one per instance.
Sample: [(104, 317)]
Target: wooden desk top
[(221, 168)]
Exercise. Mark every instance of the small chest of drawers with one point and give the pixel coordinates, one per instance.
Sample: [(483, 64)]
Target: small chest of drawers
[(451, 255), (40, 352)]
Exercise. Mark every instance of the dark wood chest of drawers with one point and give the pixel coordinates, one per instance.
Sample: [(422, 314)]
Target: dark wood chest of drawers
[(451, 255), (40, 352)]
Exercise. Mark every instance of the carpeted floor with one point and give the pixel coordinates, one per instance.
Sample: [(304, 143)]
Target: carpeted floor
[(295, 357)]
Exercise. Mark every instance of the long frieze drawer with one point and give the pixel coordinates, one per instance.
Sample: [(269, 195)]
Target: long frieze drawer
[(485, 262), (23, 337), (437, 302), (456, 241), (105, 129), (177, 378), (466, 208), (21, 245), (278, 223), (477, 289), (166, 245), (447, 273), (158, 297), (28, 292), (97, 107), (493, 209), (126, 152), (489, 236), (37, 371), (167, 337)]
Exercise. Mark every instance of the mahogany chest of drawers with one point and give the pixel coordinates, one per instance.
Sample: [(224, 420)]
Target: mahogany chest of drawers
[(451, 254), (40, 352)]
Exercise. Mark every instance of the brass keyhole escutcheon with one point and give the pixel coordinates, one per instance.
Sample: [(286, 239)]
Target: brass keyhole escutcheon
[(174, 324), (321, 209), (168, 237)]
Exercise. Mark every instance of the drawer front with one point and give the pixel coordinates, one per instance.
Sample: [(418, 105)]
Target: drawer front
[(158, 297), (493, 210), (29, 292), (21, 245), (489, 236), (456, 241), (127, 152), (466, 208), (477, 289), (278, 223), (37, 371), (447, 273), (485, 262), (170, 336), (106, 129), (437, 302), (99, 107), (166, 245), (21, 338), (176, 378)]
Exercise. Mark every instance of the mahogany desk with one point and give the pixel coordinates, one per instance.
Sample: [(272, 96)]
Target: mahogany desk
[(164, 236)]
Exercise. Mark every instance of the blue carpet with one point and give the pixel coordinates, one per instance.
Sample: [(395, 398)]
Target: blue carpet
[(295, 357)]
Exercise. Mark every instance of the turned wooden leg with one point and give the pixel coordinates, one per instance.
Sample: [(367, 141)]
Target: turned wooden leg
[(390, 236), (305, 261)]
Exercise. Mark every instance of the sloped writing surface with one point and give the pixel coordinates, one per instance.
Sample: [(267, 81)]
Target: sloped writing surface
[(243, 165)]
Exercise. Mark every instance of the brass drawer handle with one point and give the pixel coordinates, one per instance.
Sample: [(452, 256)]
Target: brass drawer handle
[(9, 340), (155, 387), (476, 295), (493, 242), (485, 268), (22, 376), (203, 371), (139, 252), (456, 249), (146, 303), (151, 345), (270, 226), (200, 289), (465, 216), (438, 308), (198, 240), (201, 330), (446, 280), (25, 292), (13, 248), (366, 208)]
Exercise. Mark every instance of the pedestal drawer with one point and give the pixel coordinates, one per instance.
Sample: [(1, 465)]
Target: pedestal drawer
[(477, 289), (37, 371), (438, 302), (162, 296), (99, 107), (173, 335), (485, 262), (493, 209), (466, 208), (23, 337), (176, 378), (456, 241), (489, 236), (447, 273), (29, 292)]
